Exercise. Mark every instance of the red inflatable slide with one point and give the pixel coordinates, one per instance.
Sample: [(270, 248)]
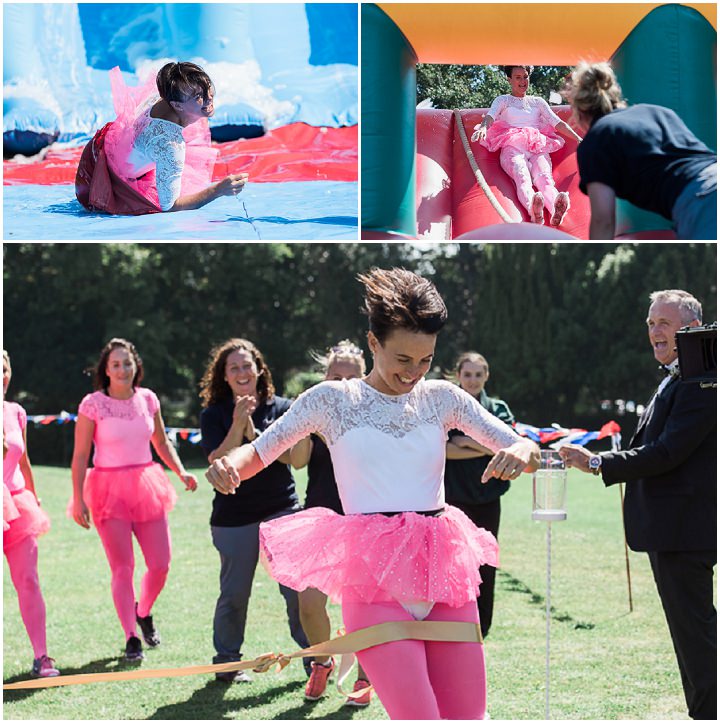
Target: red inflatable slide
[(451, 204), (296, 152)]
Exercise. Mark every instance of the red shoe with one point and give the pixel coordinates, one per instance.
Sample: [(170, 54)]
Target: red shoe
[(318, 679), (362, 701)]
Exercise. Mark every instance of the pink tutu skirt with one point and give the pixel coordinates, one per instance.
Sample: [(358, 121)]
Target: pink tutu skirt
[(10, 511), (544, 140), (376, 558), (138, 493), (118, 142), (26, 518)]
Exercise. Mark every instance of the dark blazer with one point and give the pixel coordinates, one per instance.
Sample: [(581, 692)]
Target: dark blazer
[(671, 471)]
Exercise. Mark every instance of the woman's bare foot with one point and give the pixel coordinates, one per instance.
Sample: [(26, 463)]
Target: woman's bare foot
[(562, 205), (536, 209)]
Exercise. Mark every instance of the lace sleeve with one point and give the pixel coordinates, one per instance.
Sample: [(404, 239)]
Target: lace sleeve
[(88, 408), (465, 413), (497, 107), (166, 147), (308, 413), (547, 114)]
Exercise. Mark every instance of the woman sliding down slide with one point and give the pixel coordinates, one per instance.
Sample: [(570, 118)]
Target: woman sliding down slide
[(524, 128), (156, 155)]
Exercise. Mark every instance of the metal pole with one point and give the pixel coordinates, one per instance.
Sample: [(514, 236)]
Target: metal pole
[(615, 447), (547, 628)]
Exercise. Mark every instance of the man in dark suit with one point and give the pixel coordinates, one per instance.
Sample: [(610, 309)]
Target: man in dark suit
[(671, 500)]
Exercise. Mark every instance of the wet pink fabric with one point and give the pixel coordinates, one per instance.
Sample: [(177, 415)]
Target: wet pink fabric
[(128, 101), (534, 140)]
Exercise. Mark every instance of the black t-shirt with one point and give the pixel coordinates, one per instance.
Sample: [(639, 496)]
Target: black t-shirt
[(270, 490), (322, 488), (645, 153), (462, 476)]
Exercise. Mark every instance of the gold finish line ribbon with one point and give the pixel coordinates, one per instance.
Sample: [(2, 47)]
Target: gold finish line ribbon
[(428, 630)]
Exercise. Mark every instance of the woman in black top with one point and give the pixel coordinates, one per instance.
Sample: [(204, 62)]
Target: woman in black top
[(643, 153), (343, 361), (240, 402), (465, 464)]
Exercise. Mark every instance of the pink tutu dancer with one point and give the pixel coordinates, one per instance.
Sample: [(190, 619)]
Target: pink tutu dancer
[(399, 553), (135, 492), (374, 558), (126, 494), (156, 155), (23, 523), (523, 128)]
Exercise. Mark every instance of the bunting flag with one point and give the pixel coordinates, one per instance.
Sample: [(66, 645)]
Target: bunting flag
[(191, 434), (554, 435)]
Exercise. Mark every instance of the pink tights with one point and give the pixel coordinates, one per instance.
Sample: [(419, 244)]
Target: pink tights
[(526, 169), (418, 680), (154, 540), (22, 560)]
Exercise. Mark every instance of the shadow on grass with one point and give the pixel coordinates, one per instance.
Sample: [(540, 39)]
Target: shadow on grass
[(304, 711), (210, 703), (512, 584), (103, 665)]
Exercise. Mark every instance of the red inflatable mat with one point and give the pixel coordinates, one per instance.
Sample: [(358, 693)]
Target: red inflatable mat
[(296, 152)]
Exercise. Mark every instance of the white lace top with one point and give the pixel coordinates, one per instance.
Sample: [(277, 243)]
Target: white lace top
[(527, 112), (159, 143), (388, 452)]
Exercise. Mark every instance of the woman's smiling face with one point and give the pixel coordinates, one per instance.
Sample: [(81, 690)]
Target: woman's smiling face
[(401, 361), (241, 373), (519, 82)]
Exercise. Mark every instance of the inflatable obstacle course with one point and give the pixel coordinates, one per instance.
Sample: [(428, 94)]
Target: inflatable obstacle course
[(286, 113), (272, 64), (665, 51)]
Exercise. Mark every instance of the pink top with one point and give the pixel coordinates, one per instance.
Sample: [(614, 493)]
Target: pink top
[(14, 422), (123, 427)]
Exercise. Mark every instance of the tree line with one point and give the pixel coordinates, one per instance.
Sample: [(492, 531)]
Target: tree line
[(562, 325), (476, 86)]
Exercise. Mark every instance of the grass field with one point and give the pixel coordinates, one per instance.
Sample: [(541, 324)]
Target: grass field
[(606, 663)]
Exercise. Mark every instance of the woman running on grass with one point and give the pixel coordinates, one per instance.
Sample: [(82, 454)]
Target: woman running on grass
[(399, 553)]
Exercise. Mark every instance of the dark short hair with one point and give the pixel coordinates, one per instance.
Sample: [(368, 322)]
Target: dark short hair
[(181, 81), (508, 69), (214, 388), (101, 381), (400, 299)]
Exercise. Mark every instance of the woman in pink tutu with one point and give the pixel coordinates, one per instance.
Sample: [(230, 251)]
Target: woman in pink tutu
[(399, 553), (156, 155), (125, 492), (523, 128), (23, 523)]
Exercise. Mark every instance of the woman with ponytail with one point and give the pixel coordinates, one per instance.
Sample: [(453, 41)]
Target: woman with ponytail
[(644, 154)]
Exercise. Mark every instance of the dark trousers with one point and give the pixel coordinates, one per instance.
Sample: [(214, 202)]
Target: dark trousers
[(239, 549), (486, 516), (685, 583)]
